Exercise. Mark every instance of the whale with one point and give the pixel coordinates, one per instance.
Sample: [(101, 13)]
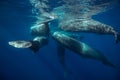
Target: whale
[(89, 26), (80, 48), (33, 45), (40, 31)]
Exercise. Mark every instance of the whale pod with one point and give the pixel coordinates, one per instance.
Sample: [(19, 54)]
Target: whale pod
[(80, 48)]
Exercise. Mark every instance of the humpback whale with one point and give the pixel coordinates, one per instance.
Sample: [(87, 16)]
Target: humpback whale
[(34, 44), (89, 26), (80, 48), (41, 30)]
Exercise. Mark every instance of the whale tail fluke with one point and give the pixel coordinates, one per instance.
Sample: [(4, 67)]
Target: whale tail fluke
[(117, 38)]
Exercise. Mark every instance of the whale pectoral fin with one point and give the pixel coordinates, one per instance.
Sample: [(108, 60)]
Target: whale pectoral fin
[(61, 57), (35, 46), (61, 54)]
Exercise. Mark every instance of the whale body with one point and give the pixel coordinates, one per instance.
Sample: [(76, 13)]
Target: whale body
[(89, 26), (80, 48)]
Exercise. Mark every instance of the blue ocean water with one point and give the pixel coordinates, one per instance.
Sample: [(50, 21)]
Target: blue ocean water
[(22, 64)]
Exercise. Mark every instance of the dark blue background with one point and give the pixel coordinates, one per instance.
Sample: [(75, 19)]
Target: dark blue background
[(22, 64)]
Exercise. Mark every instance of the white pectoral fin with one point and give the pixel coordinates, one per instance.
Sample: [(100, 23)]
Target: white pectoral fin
[(12, 43), (20, 44)]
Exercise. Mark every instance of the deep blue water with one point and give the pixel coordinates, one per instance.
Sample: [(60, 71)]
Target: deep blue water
[(22, 64)]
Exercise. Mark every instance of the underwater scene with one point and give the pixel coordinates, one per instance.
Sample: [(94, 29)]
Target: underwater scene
[(59, 40)]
